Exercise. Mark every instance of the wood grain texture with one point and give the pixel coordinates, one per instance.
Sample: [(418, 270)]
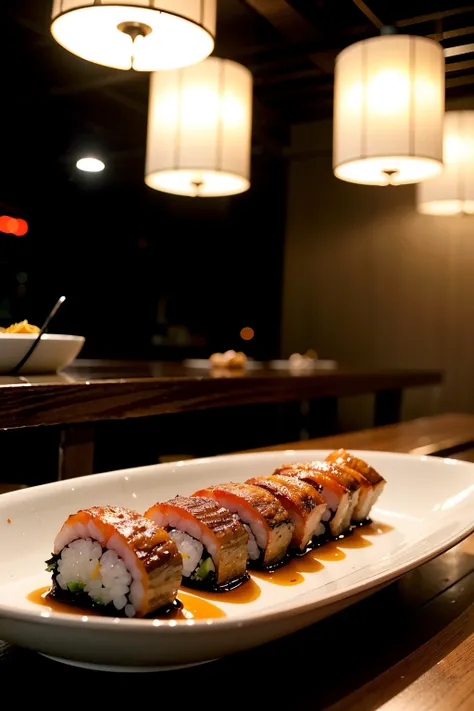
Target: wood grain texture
[(425, 435), (104, 393)]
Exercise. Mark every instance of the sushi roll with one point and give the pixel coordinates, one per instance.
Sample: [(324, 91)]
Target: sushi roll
[(372, 482), (268, 524), (338, 496), (213, 544), (303, 502), (115, 560)]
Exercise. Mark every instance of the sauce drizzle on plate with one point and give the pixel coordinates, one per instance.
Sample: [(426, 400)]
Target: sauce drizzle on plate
[(191, 607)]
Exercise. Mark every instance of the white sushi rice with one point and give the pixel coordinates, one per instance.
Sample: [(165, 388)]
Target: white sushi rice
[(252, 546), (252, 543), (104, 575), (191, 550)]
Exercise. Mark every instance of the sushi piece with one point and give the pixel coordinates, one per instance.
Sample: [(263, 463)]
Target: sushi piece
[(338, 496), (351, 480), (212, 542), (116, 560), (372, 482), (303, 502), (268, 524)]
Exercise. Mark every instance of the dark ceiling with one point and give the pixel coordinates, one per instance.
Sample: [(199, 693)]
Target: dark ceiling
[(55, 103)]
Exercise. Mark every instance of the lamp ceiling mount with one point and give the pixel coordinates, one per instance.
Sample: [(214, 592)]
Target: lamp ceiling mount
[(134, 29)]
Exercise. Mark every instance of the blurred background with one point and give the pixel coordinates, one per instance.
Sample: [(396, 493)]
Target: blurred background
[(303, 259)]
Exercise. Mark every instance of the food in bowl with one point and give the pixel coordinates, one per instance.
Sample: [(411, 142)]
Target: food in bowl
[(21, 327)]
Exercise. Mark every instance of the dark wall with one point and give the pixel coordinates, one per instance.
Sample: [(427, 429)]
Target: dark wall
[(371, 282), (136, 264)]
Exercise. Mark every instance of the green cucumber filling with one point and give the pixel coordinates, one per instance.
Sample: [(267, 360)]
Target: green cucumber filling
[(204, 568), (75, 587)]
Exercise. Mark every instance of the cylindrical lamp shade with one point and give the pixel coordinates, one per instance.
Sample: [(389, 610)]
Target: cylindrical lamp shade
[(452, 192), (199, 130), (388, 110), (145, 35)]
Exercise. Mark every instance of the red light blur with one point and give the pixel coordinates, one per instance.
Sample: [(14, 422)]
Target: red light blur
[(22, 228), (13, 226)]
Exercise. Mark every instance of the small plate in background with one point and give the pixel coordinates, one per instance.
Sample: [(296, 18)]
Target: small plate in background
[(315, 365), (204, 364)]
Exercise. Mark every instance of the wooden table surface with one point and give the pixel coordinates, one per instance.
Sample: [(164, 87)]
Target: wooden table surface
[(92, 391), (409, 647)]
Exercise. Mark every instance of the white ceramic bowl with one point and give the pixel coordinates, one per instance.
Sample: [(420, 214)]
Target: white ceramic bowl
[(53, 353)]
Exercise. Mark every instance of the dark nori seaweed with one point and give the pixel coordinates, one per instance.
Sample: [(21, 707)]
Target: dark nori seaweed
[(258, 564), (360, 524), (209, 583)]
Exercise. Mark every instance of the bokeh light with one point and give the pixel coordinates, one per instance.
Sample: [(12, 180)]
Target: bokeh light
[(22, 228), (89, 164), (13, 226), (247, 333)]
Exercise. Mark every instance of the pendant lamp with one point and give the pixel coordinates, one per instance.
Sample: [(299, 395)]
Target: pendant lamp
[(199, 129), (145, 35), (452, 192), (388, 110)]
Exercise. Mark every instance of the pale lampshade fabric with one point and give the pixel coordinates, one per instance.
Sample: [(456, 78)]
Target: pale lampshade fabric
[(199, 129), (452, 192), (388, 110), (179, 32)]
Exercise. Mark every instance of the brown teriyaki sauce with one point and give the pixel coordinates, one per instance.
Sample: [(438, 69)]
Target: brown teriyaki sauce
[(325, 548), (186, 607)]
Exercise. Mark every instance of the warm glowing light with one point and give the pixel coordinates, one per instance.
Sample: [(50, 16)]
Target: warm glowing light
[(90, 164), (247, 333), (22, 228), (13, 226), (452, 192), (388, 110), (199, 130), (388, 92), (145, 35)]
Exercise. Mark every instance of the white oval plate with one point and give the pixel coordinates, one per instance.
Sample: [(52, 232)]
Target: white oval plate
[(429, 503), (54, 352)]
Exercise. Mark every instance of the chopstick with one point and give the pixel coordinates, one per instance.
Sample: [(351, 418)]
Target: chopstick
[(43, 330)]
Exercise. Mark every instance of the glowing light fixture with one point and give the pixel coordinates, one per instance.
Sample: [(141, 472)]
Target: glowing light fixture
[(388, 110), (452, 192), (145, 35), (89, 164), (199, 130)]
